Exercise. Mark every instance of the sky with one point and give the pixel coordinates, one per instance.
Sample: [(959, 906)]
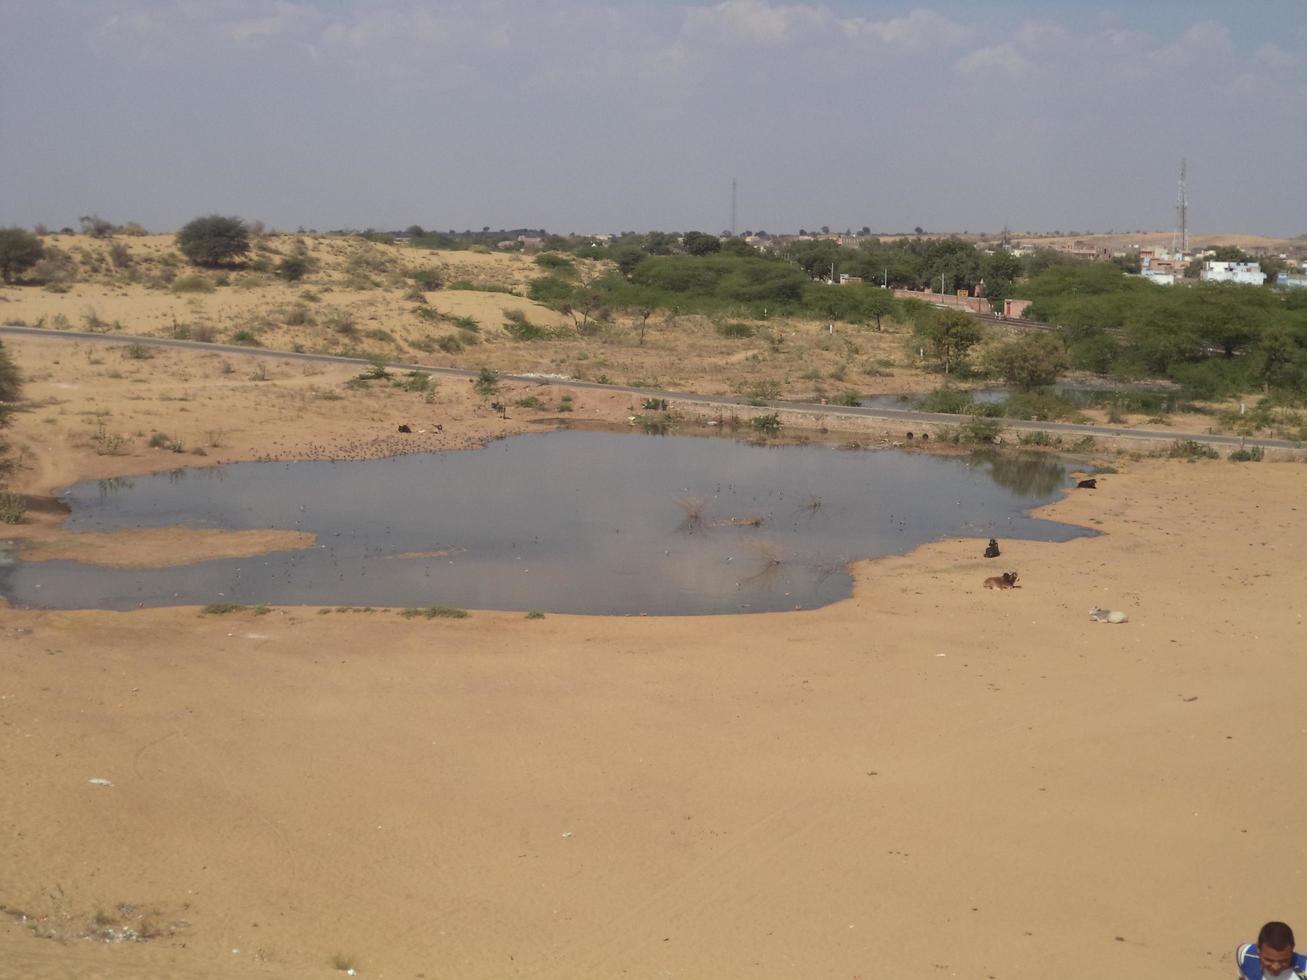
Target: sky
[(610, 115)]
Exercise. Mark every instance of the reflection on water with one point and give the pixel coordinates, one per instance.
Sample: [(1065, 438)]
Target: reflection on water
[(112, 485), (1027, 474), (567, 522)]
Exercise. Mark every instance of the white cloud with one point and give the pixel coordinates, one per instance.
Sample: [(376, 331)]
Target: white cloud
[(1203, 42), (754, 21), (1272, 55), (762, 23), (1006, 59), (916, 29)]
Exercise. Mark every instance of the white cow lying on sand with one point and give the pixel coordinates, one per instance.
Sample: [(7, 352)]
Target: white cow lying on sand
[(1107, 616)]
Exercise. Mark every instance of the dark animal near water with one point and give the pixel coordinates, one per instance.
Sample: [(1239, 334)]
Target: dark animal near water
[(1008, 580), (405, 428), (992, 550), (1087, 485)]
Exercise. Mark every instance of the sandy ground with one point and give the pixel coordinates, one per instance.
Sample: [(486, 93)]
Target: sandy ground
[(929, 778)]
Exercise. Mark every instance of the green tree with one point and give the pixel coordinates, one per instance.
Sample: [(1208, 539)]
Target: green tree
[(701, 243), (1000, 272), (628, 257), (1033, 360), (878, 303), (11, 384), (818, 258), (949, 335), (1278, 359), (214, 239), (19, 251)]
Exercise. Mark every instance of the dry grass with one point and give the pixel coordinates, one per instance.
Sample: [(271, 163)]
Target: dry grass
[(359, 300)]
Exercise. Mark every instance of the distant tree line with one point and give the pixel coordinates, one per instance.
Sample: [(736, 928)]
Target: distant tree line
[(1214, 338)]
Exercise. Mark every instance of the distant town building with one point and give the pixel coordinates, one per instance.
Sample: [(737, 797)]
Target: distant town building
[(1159, 268), (1292, 280), (1246, 273)]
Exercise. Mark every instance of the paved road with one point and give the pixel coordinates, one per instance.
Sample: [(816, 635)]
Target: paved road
[(895, 414)]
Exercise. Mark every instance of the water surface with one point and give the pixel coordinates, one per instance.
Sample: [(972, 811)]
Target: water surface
[(579, 522)]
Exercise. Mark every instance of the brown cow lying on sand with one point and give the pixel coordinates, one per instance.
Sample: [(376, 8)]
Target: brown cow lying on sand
[(1008, 580)]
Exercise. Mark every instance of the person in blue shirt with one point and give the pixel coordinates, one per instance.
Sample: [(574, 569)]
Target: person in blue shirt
[(1272, 957)]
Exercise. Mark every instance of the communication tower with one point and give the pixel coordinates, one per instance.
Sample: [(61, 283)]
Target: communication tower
[(1180, 239)]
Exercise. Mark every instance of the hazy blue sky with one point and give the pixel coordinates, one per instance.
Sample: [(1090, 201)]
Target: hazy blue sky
[(605, 115)]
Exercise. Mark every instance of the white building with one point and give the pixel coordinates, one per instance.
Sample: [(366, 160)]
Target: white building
[(1247, 273)]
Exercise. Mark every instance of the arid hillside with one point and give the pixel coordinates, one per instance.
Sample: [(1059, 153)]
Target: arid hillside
[(446, 309)]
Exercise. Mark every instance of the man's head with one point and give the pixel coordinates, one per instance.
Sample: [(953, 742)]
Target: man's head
[(1275, 948)]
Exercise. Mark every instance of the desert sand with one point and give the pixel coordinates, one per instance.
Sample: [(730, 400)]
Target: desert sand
[(928, 778)]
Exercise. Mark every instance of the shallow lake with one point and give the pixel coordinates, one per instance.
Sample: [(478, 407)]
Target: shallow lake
[(579, 522)]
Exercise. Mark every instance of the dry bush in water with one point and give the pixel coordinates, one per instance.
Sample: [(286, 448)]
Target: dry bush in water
[(693, 508)]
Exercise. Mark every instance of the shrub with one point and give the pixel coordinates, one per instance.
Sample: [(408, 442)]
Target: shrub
[(55, 269), (19, 251), (418, 382), (293, 268), (450, 344), (850, 399), (162, 440), (769, 424), (481, 287), (530, 401), (517, 326), (214, 239), (246, 338), (427, 279), (192, 284), (555, 263), (434, 612), (12, 507), (735, 329), (1039, 407), (1033, 360), (465, 323), (297, 316), (979, 429), (120, 255), (1039, 438), (947, 401), (1190, 449), (1253, 455), (761, 390), (341, 321), (550, 290), (487, 383)]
